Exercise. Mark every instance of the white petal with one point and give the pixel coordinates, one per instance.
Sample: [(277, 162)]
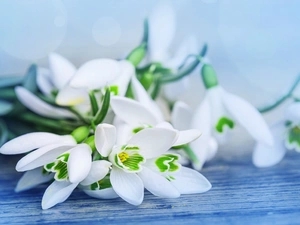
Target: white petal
[(153, 142), (28, 142), (248, 117), (266, 155), (107, 193), (293, 112), (43, 81), (69, 96), (187, 136), (132, 112), (124, 131), (157, 184), (99, 170), (56, 193), (79, 163), (32, 179), (166, 125), (189, 181), (181, 116), (62, 70), (162, 26), (105, 138), (212, 148), (122, 81), (141, 95), (40, 107), (128, 186), (164, 108), (202, 121), (41, 156), (96, 74)]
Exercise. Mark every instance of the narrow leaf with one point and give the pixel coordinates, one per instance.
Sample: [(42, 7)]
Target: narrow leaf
[(94, 104), (104, 109), (30, 79), (3, 132)]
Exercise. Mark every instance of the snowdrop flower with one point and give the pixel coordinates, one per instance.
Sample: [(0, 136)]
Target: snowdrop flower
[(220, 111), (163, 20), (137, 117), (59, 155), (128, 159), (49, 81), (286, 136), (143, 162), (181, 118)]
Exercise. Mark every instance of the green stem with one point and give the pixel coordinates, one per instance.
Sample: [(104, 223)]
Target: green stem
[(188, 70), (281, 99), (29, 117), (191, 154)]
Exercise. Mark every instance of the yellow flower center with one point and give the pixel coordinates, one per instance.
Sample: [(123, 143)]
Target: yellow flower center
[(123, 156)]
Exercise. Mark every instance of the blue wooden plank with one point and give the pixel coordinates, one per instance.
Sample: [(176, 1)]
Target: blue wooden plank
[(241, 194)]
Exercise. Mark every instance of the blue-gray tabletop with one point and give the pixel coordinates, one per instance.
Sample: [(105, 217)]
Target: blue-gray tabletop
[(241, 194)]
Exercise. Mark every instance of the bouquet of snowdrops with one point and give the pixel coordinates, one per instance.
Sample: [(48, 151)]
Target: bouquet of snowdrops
[(113, 128)]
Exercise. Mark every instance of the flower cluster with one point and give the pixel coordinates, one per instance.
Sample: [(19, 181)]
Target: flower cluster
[(113, 128)]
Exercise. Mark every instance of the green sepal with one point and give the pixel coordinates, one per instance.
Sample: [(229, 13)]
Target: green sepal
[(209, 76), (293, 137), (137, 55), (104, 109), (147, 80), (224, 121), (80, 133), (91, 142), (101, 184)]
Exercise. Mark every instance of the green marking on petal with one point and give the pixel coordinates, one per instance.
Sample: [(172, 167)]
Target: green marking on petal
[(138, 129), (59, 167), (133, 162), (101, 184), (118, 161), (130, 148), (293, 138), (222, 122), (167, 163), (49, 166), (114, 90)]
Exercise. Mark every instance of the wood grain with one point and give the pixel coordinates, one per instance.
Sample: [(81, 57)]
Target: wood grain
[(241, 194)]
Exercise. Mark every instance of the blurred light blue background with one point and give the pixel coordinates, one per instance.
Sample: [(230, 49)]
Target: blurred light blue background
[(253, 45)]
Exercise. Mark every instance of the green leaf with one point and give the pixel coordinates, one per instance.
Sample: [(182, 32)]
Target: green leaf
[(93, 102), (5, 107), (30, 79), (10, 81), (104, 109), (3, 132), (8, 94)]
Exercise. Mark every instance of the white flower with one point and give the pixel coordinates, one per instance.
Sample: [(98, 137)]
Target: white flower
[(286, 136), (181, 118), (137, 117), (144, 162), (220, 111), (128, 159), (163, 20)]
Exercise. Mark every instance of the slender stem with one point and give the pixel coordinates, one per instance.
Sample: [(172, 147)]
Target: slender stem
[(191, 154), (281, 99), (188, 70)]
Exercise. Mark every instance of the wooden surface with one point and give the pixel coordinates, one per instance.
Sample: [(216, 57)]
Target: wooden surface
[(241, 194)]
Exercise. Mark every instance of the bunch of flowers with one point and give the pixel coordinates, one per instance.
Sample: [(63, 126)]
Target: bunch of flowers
[(113, 128)]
